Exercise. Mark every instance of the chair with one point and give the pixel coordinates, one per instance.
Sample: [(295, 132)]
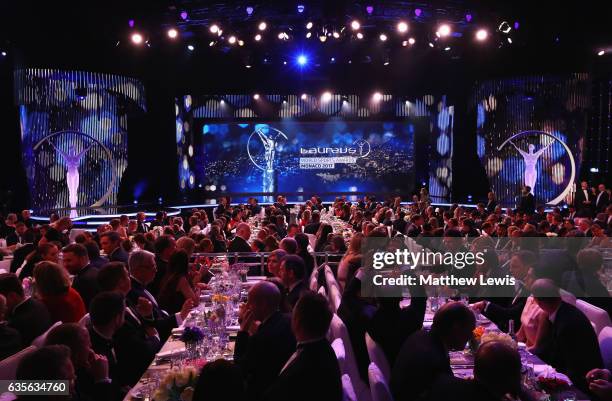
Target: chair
[(605, 345), (334, 298), (313, 282), (337, 329), (596, 315), (312, 240), (322, 291), (377, 355), (330, 279), (338, 347), (348, 393), (378, 385), (41, 339), (8, 366)]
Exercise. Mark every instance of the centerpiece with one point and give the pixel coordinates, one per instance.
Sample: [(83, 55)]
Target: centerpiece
[(177, 385)]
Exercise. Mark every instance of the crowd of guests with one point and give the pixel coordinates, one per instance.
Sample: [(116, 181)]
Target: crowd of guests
[(100, 305)]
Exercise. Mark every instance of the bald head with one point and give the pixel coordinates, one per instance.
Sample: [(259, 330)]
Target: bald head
[(243, 230), (498, 366), (264, 299)]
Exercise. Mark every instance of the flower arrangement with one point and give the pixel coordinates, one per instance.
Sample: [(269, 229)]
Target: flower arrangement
[(552, 384), (498, 336), (478, 332), (177, 385), (220, 298), (192, 334)]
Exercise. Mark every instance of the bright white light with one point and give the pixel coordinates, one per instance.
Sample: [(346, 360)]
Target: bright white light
[(248, 66), (3, 54), (600, 53), (257, 37), (359, 35), (232, 40), (262, 26), (212, 43), (594, 170), (213, 187), (308, 35), (222, 102), (355, 25), (402, 27), (304, 96), (283, 36), (411, 41), (322, 38), (326, 97), (510, 40), (241, 43), (377, 97), (405, 43), (382, 37), (302, 59), (136, 38), (482, 34), (431, 44), (214, 28), (444, 30), (447, 48), (309, 25), (256, 96), (172, 33), (190, 48), (336, 35)]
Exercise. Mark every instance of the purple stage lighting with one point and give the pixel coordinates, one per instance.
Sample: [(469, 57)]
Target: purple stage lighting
[(184, 15), (249, 10), (516, 25), (131, 23), (468, 17), (370, 9), (418, 12), (300, 8)]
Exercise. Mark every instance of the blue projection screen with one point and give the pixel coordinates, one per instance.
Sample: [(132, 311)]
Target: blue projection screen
[(310, 157)]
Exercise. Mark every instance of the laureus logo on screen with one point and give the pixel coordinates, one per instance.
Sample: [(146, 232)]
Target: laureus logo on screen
[(360, 148)]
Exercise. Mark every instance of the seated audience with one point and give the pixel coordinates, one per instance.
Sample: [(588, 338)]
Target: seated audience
[(585, 282), (53, 287), (291, 272), (110, 242), (176, 286), (85, 281), (52, 362), (219, 380)]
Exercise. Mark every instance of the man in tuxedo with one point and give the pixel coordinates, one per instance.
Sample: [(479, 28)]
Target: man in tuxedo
[(500, 311), (141, 225), (110, 242), (261, 351), (142, 271), (25, 217), (158, 221), (424, 356), (165, 246), (527, 201), (583, 200), (312, 372), (602, 200), (414, 229), (491, 202), (76, 261), (28, 316), (240, 242), (135, 342), (10, 339), (19, 254), (313, 227), (93, 252), (291, 272), (16, 237), (573, 348)]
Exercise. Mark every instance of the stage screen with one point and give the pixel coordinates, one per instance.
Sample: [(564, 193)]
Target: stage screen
[(311, 157)]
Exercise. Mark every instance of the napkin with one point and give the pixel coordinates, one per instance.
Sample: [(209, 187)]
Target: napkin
[(549, 371)]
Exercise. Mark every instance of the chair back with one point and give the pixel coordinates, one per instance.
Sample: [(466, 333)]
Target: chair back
[(378, 385), (313, 282), (596, 315), (338, 347), (322, 291), (334, 298), (605, 345), (330, 279), (8, 366), (348, 393), (377, 355), (41, 339), (312, 240)]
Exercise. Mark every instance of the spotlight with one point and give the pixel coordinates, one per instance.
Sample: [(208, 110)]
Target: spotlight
[(444, 30), (599, 53), (3, 54), (248, 66), (136, 38), (249, 10), (214, 28), (431, 44), (377, 97), (262, 26), (172, 33), (402, 27), (468, 17), (304, 96), (241, 43), (332, 60), (370, 10), (190, 48), (309, 25), (418, 12), (411, 41), (326, 97), (322, 38), (212, 43), (482, 34), (256, 96), (283, 36), (231, 40), (302, 60), (308, 35), (284, 62), (382, 37), (387, 61), (336, 35), (184, 15), (510, 40), (359, 35), (300, 8), (222, 102), (257, 37), (447, 48), (355, 25), (405, 43), (131, 23)]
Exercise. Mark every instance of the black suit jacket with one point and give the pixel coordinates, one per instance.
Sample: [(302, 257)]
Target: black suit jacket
[(491, 205), (500, 314), (311, 228), (421, 361), (573, 348), (581, 208), (162, 321), (119, 255), (391, 326), (19, 256), (86, 284), (105, 347), (296, 293), (602, 203), (239, 245), (10, 341), (30, 318), (262, 355), (527, 204), (312, 375)]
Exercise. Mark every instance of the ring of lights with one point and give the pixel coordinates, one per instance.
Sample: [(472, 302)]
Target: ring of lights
[(108, 153), (278, 133), (567, 190)]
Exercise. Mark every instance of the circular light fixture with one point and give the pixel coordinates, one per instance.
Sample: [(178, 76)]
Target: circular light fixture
[(190, 48), (304, 96), (262, 26), (231, 40), (411, 41), (402, 27), (309, 25), (214, 28), (382, 37), (481, 35), (444, 30), (256, 96), (172, 33), (601, 52), (359, 35), (137, 38), (355, 25), (257, 37), (326, 97), (377, 97)]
